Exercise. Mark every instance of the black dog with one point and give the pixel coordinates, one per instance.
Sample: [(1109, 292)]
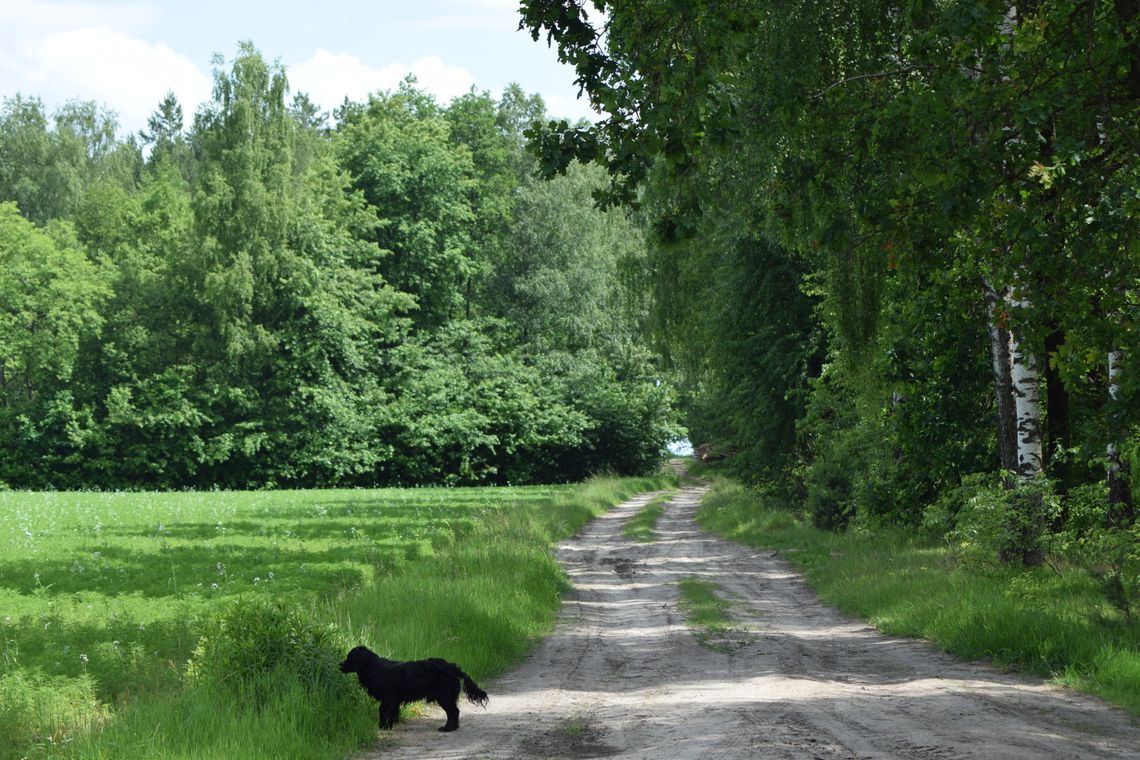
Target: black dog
[(392, 683)]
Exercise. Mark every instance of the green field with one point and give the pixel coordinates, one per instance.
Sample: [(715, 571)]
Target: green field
[(104, 598)]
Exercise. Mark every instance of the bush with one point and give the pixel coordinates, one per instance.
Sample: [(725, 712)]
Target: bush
[(940, 518), (829, 494), (1109, 555), (46, 712), (1006, 524), (251, 639)]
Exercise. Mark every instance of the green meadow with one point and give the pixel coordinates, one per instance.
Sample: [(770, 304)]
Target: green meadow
[(208, 624)]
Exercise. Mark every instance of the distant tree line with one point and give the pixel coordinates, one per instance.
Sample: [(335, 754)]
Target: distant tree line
[(269, 297), (900, 246)]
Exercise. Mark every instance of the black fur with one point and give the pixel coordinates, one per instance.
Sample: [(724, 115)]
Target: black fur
[(392, 683)]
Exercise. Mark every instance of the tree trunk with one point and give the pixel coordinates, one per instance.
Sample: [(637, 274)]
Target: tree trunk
[(1025, 377), (1121, 511), (1027, 507), (1003, 384)]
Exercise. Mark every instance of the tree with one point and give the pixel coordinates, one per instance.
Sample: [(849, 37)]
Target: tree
[(939, 145), (50, 299), (419, 182)]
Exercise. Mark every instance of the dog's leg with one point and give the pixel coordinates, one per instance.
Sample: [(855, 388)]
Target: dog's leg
[(389, 714), (452, 709)]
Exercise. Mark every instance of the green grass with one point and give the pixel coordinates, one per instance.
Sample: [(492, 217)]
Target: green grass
[(104, 597), (1035, 621), (706, 612), (642, 527)]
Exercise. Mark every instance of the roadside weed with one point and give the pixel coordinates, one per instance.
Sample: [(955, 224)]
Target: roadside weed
[(707, 612)]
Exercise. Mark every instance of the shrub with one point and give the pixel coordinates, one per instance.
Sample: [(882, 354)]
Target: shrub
[(940, 518), (1110, 555), (45, 712), (1006, 524), (251, 639)]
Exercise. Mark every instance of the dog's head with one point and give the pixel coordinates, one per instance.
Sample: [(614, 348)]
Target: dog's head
[(355, 660)]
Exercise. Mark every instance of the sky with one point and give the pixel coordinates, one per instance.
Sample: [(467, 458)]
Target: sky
[(128, 54)]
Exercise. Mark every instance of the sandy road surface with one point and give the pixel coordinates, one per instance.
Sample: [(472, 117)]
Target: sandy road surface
[(622, 676)]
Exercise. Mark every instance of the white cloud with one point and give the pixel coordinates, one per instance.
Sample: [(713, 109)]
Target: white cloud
[(79, 50), (569, 107), (32, 16), (102, 64), (328, 78)]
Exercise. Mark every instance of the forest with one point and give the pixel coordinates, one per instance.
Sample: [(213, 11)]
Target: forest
[(880, 258), (896, 251), (263, 295)]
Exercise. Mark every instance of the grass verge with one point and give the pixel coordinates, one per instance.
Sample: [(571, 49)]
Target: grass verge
[(1033, 621), (174, 626)]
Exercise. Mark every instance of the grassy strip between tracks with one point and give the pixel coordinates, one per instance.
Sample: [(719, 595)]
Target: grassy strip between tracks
[(209, 625), (642, 526), (1035, 621), (706, 612)]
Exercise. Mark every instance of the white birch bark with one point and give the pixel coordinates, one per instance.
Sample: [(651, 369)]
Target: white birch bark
[(1114, 359), (1025, 376)]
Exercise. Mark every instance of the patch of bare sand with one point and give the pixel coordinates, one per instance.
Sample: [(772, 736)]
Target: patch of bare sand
[(621, 676)]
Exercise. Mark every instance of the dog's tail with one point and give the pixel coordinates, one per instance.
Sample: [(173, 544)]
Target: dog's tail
[(475, 695)]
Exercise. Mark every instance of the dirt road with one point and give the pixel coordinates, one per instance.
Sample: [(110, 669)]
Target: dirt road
[(622, 676)]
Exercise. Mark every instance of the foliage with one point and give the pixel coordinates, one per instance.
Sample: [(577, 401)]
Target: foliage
[(249, 638), (266, 299), (1000, 523), (832, 189), (1109, 554)]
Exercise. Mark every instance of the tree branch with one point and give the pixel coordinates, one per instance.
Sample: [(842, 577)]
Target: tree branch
[(874, 75)]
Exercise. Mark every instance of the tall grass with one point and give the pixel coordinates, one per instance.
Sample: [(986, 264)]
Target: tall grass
[(1039, 621), (104, 600)]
